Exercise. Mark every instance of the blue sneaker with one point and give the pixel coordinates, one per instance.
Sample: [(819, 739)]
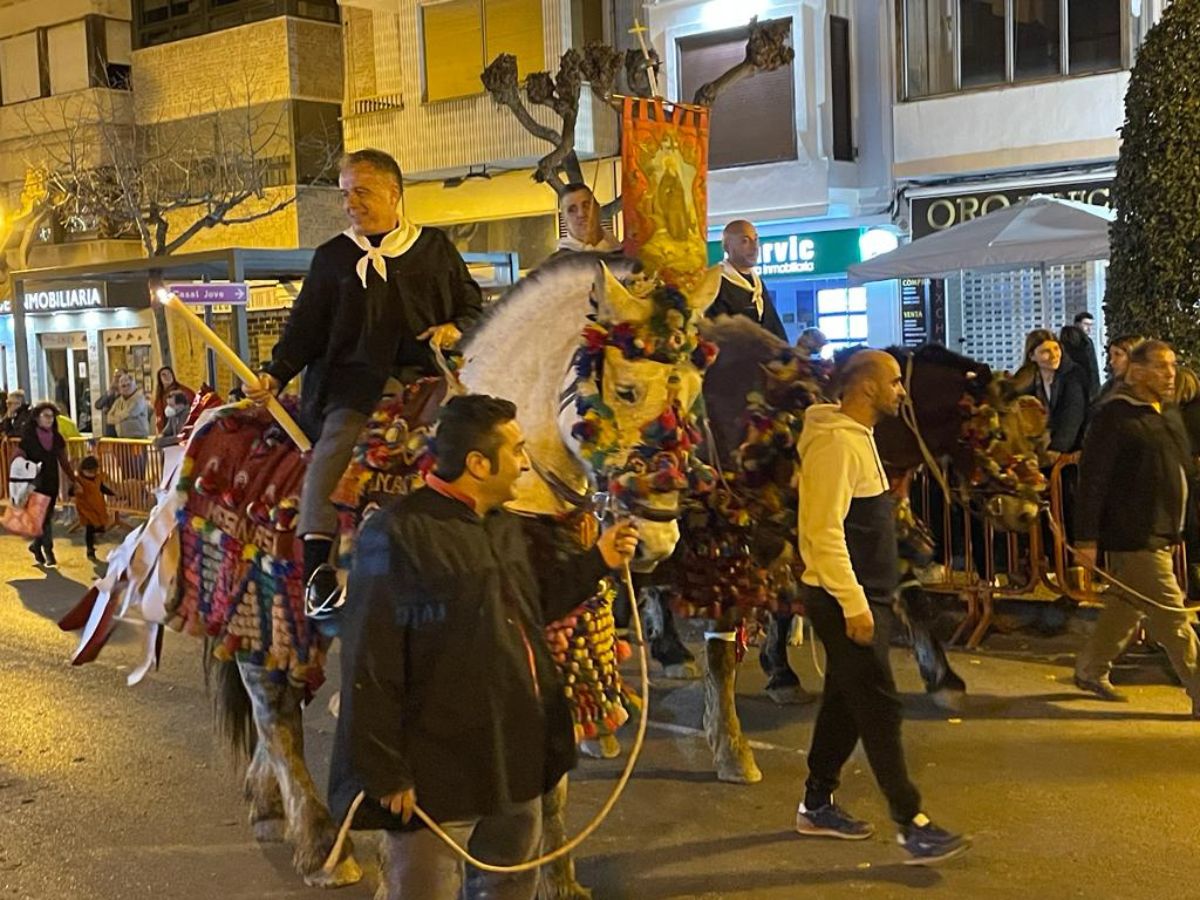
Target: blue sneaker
[(832, 821), (927, 844)]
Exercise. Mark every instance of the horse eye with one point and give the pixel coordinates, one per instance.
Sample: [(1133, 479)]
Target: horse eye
[(626, 394)]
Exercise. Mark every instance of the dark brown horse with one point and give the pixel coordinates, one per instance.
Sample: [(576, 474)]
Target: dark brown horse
[(755, 394)]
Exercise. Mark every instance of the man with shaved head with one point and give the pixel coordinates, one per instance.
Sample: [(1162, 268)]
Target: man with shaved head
[(848, 545), (742, 291)]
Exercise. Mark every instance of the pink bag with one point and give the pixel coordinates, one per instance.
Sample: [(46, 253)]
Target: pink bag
[(27, 520)]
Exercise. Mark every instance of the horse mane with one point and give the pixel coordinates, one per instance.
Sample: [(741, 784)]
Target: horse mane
[(521, 350), (742, 337), (549, 278), (940, 355)]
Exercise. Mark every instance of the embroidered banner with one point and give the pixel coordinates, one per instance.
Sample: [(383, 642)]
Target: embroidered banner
[(664, 162)]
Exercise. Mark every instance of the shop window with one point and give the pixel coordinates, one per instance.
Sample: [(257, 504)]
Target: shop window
[(461, 37), (754, 120), (842, 316), (947, 45)]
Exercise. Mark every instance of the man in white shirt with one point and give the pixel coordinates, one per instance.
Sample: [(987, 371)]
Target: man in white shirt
[(848, 545)]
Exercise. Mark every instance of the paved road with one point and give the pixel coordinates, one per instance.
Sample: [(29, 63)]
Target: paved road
[(110, 793)]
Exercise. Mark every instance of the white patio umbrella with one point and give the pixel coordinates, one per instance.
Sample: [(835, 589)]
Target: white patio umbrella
[(1039, 231)]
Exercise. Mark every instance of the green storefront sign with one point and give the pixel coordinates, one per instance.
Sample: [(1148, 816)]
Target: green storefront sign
[(801, 254)]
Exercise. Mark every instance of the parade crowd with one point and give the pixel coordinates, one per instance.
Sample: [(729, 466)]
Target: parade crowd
[(450, 698)]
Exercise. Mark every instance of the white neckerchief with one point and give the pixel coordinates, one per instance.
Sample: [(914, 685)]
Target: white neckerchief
[(755, 287), (606, 244), (395, 243)]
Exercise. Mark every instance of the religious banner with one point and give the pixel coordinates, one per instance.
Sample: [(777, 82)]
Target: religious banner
[(664, 190)]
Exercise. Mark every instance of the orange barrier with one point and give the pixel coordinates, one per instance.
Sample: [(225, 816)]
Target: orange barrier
[(1019, 577), (1074, 581), (132, 468), (1027, 566)]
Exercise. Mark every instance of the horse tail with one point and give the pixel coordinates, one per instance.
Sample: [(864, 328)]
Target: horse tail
[(233, 713)]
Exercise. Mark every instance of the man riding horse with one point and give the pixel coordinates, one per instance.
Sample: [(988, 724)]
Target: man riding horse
[(380, 301)]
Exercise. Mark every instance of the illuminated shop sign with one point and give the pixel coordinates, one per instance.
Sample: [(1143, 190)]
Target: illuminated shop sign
[(933, 214), (64, 299), (803, 253)]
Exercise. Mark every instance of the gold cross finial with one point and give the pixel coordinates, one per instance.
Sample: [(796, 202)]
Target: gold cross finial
[(640, 30)]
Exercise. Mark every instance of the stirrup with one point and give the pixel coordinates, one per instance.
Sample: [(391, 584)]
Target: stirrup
[(320, 608)]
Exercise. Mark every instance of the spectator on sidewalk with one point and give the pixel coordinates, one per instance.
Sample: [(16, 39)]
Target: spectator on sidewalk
[(1118, 362), (450, 697), (43, 445), (130, 413), (90, 491), (1135, 476), (1059, 384), (175, 415), (106, 401), (16, 414), (1079, 349), (164, 386)]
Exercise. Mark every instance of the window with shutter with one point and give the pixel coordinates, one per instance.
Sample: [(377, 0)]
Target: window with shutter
[(754, 120)]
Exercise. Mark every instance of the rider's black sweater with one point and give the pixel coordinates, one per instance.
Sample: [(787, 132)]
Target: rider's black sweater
[(352, 339), (448, 685)]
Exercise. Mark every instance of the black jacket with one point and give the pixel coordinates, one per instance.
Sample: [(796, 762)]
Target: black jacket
[(443, 632), (16, 424), (1067, 405), (1134, 476), (352, 339), (737, 301), (47, 480)]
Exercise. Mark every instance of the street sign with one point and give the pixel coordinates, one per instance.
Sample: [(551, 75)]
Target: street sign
[(235, 292)]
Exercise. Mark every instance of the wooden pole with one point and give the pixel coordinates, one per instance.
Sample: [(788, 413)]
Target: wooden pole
[(171, 302)]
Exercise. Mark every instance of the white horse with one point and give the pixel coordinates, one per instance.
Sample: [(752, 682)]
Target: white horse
[(525, 350)]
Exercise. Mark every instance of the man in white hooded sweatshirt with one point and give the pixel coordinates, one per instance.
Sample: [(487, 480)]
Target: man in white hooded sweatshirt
[(848, 544)]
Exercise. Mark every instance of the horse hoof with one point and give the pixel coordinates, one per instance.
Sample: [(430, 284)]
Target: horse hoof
[(345, 873), (684, 671), (269, 831), (792, 695), (738, 767), (740, 774), (554, 889), (949, 700), (604, 747)]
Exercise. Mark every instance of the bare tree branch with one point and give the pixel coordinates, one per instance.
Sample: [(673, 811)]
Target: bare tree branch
[(187, 175), (766, 50)]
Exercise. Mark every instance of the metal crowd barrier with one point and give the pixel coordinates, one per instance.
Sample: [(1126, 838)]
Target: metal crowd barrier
[(1030, 570), (1077, 582), (132, 468), (970, 566)]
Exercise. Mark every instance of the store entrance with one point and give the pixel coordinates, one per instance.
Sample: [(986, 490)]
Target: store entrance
[(67, 381)]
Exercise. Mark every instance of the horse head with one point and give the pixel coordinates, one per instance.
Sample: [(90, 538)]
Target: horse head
[(636, 387), (960, 410)]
